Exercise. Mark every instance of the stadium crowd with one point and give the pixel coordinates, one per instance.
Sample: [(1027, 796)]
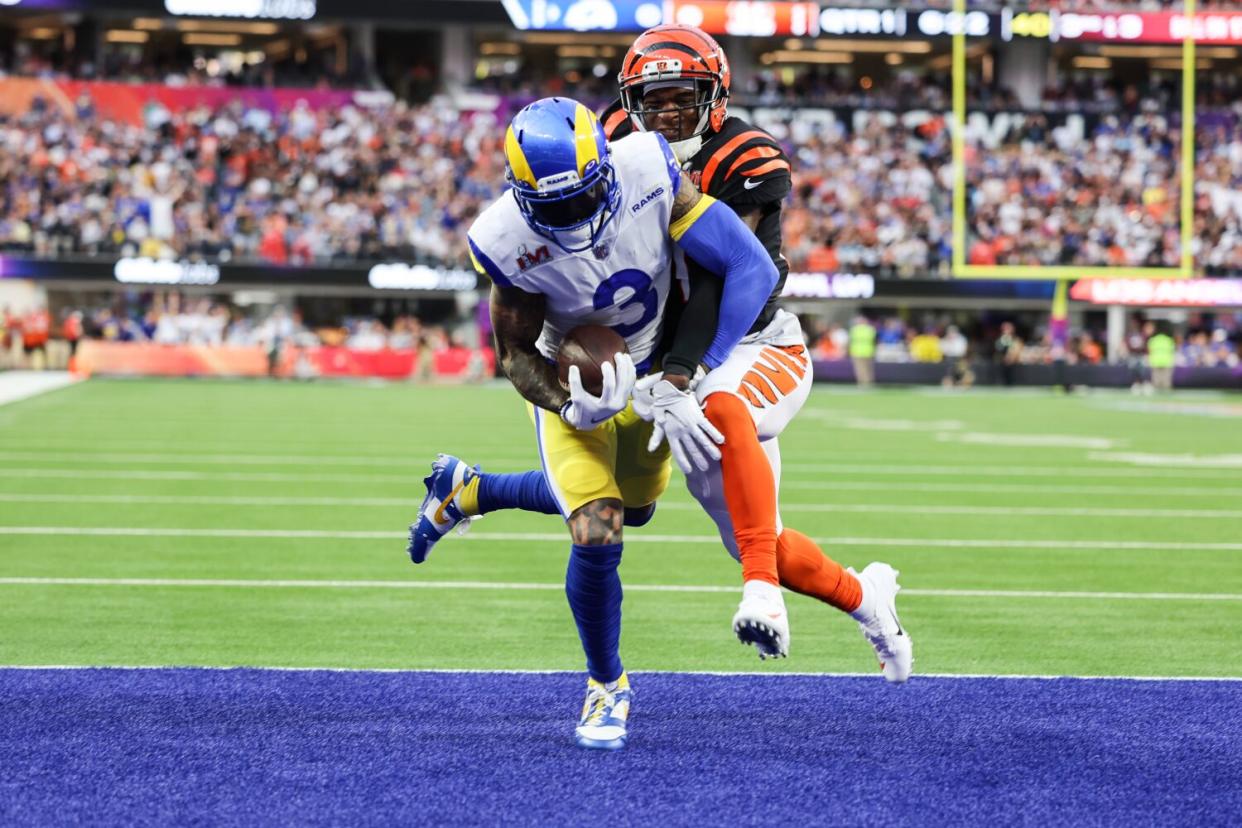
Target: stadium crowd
[(871, 191), (354, 184), (298, 187)]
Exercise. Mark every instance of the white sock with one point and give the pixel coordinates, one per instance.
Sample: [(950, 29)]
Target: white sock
[(866, 607), (763, 591)]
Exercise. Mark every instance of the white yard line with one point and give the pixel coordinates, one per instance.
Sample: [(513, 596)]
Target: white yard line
[(22, 385), (1065, 472), (1005, 488), (511, 672), (558, 587), (411, 480), (800, 485), (209, 500), (174, 457), (560, 537), (860, 508)]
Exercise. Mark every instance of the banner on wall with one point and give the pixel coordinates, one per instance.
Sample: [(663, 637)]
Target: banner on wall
[(1186, 293)]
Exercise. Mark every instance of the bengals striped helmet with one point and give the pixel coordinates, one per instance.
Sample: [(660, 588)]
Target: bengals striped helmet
[(676, 55)]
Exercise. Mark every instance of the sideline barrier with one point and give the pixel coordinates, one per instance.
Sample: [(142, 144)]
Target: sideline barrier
[(147, 359)]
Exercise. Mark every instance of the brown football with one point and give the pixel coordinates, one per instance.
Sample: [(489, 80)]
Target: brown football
[(588, 347)]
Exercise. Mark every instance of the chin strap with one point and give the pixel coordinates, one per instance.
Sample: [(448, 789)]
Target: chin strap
[(687, 149)]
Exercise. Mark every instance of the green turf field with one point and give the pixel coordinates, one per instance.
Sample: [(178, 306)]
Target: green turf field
[(1104, 530)]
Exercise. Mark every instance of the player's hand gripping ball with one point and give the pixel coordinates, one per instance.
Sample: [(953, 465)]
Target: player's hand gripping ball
[(596, 368), (588, 347)]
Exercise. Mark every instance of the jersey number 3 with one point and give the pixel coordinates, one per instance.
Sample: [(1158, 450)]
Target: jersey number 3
[(642, 293)]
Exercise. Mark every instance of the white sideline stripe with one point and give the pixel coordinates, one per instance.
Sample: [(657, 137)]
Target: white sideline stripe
[(513, 672), (877, 508), (560, 537), (503, 585), (22, 385)]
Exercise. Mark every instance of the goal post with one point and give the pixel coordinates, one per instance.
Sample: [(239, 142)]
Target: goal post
[(964, 270)]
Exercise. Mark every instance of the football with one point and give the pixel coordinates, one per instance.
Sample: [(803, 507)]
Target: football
[(588, 347)]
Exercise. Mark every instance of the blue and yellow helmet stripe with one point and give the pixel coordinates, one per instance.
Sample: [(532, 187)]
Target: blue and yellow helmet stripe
[(554, 144), (586, 139), (519, 167)]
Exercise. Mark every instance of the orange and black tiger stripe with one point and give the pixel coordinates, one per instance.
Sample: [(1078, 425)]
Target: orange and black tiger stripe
[(774, 375), (750, 152)]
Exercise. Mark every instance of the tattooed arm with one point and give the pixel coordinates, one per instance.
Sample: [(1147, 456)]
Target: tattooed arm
[(517, 321)]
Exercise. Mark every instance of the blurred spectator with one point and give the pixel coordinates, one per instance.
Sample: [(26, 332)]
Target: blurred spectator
[(862, 351), (925, 347), (1161, 357), (36, 328), (1008, 351), (954, 346)]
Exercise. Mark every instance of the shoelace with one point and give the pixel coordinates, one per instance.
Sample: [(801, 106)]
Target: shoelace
[(600, 701)]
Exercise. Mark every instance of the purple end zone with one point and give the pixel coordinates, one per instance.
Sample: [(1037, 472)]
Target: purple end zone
[(263, 747)]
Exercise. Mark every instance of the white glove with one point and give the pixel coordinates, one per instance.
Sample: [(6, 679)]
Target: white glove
[(644, 399), (585, 411), (678, 417)]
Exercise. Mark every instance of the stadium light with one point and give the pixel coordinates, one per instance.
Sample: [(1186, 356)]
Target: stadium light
[(227, 27), (913, 47), (787, 56), (208, 39), (126, 36)]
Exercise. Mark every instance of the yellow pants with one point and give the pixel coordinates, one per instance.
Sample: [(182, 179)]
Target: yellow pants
[(610, 461)]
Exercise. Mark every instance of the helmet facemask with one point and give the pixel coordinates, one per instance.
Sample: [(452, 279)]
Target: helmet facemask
[(574, 216), (687, 102)]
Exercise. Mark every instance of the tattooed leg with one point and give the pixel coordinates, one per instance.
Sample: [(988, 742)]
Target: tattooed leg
[(593, 585)]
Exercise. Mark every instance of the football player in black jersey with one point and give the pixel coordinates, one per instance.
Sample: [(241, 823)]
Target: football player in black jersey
[(675, 80)]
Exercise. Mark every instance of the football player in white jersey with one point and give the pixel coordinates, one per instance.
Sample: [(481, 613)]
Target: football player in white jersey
[(675, 81), (586, 235)]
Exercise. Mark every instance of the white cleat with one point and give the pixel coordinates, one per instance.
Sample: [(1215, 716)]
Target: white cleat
[(761, 620), (879, 622)]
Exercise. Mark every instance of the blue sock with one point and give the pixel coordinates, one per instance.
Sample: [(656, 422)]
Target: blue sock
[(528, 491), (594, 590), (639, 515)]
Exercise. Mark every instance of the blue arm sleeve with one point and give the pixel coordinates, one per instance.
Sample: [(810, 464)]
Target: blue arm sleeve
[(722, 243)]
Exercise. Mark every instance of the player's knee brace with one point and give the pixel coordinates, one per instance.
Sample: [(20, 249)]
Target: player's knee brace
[(639, 515)]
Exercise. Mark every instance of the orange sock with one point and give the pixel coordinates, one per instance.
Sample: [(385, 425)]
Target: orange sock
[(806, 569), (749, 487)]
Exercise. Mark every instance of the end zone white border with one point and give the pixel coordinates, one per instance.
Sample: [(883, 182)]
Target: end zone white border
[(726, 674)]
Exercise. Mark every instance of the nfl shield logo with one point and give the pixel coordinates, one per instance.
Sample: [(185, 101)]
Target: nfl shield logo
[(601, 250)]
